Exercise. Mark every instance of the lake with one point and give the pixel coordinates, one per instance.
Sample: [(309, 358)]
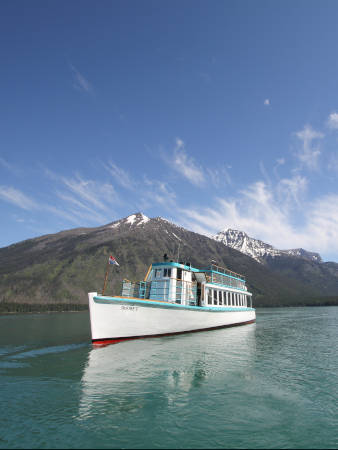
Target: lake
[(265, 385)]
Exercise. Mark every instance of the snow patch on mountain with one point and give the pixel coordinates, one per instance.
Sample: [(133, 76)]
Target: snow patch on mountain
[(131, 219), (138, 219), (134, 219), (144, 219)]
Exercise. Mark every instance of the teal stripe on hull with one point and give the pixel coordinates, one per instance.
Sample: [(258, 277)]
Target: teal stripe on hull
[(149, 303)]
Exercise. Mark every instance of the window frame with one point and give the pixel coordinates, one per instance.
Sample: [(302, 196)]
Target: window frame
[(215, 297)]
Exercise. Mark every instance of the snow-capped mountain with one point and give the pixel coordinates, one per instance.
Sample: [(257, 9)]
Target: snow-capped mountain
[(138, 220), (64, 266), (259, 250)]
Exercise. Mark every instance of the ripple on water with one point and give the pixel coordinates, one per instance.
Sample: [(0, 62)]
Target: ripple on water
[(46, 351)]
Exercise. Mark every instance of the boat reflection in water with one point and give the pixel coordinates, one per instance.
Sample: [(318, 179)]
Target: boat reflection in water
[(151, 376)]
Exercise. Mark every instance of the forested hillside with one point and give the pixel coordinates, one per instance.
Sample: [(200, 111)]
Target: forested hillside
[(55, 272)]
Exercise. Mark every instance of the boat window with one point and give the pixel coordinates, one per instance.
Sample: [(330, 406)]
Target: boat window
[(167, 273), (209, 297), (220, 298), (215, 297), (179, 274), (157, 273)]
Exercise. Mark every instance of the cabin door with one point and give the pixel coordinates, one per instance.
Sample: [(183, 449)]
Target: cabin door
[(199, 293)]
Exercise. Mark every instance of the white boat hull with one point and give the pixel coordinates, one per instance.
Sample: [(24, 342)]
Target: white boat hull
[(116, 318)]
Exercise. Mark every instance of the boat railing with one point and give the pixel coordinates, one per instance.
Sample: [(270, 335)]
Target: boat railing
[(132, 289), (225, 280), (222, 270)]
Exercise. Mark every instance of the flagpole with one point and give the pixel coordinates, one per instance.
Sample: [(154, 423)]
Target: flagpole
[(105, 278)]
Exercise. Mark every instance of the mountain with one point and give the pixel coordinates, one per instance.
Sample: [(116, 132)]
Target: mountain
[(259, 250), (60, 269), (299, 264)]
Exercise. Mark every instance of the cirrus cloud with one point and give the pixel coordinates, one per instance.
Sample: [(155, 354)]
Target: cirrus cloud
[(333, 121), (308, 154)]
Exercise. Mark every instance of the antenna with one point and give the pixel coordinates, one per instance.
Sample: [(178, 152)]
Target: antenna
[(178, 252)]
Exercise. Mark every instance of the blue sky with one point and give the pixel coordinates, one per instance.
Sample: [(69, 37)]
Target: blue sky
[(211, 114)]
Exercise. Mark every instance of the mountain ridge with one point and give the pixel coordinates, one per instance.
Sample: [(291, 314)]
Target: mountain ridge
[(62, 268), (258, 249)]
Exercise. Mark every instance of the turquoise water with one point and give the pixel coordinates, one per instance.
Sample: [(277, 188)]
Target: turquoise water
[(266, 385)]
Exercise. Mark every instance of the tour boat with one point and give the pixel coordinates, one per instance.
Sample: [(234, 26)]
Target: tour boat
[(174, 298)]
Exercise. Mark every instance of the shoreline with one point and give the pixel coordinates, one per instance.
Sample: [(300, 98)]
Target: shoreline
[(9, 313), (40, 308)]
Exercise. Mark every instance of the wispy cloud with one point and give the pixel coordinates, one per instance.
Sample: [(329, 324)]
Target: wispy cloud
[(308, 154), (196, 174), (17, 198), (332, 121), (90, 191), (268, 214), (74, 199), (63, 214), (291, 190), (280, 209), (8, 166), (264, 172), (219, 177), (80, 82), (186, 165), (279, 162), (79, 199), (78, 210), (5, 164), (158, 192), (120, 175)]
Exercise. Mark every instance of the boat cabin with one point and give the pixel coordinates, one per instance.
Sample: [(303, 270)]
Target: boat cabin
[(180, 283)]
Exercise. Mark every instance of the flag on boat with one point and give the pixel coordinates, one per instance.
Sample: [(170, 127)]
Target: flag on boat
[(112, 260)]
